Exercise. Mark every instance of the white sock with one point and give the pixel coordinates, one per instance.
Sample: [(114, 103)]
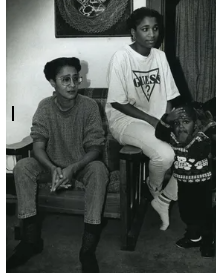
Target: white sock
[(161, 205)]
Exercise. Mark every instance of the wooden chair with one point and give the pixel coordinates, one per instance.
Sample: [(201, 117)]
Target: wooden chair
[(125, 198)]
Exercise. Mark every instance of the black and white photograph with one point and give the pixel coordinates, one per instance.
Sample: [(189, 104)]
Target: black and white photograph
[(110, 136)]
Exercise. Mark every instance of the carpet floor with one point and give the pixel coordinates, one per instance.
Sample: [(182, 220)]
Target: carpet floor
[(155, 251)]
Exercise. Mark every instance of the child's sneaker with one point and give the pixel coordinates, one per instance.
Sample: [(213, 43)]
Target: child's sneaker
[(187, 243), (208, 250)]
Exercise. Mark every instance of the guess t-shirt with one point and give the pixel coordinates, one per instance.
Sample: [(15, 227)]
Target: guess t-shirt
[(145, 82)]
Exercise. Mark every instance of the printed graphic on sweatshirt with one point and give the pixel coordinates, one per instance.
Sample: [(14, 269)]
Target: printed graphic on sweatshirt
[(183, 163), (146, 80)]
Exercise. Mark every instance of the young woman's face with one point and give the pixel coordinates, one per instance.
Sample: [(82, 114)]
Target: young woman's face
[(183, 128), (67, 82), (147, 32)]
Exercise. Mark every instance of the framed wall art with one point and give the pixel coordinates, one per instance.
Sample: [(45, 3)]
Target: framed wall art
[(92, 18)]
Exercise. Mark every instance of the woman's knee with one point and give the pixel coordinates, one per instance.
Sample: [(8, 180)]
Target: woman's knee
[(99, 171), (165, 157), (98, 167), (28, 164)]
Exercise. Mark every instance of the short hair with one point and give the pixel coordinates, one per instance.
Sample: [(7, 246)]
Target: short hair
[(139, 14), (189, 110), (52, 68)]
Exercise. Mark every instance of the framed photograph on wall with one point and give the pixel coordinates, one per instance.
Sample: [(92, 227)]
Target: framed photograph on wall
[(92, 18)]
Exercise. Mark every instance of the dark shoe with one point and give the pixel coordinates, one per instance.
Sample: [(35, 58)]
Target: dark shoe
[(187, 243), (208, 250), (30, 245), (87, 255), (23, 252), (89, 263)]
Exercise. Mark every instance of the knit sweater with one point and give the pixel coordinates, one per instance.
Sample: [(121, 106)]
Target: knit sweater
[(68, 135), (191, 163)]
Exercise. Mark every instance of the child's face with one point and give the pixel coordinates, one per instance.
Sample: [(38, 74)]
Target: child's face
[(147, 32), (183, 128), (67, 82)]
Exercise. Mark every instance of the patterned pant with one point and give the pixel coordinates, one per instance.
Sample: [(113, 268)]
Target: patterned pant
[(94, 177)]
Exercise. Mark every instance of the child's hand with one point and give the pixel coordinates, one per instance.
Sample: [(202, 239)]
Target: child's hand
[(175, 114)]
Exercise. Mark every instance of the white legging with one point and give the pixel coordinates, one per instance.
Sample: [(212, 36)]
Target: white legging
[(141, 134)]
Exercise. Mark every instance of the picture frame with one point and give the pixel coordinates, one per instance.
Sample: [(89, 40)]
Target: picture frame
[(92, 18)]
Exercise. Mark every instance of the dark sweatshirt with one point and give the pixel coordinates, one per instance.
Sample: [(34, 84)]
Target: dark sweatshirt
[(191, 162)]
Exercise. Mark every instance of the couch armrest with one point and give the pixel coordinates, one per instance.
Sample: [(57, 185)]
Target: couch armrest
[(129, 152), (20, 148)]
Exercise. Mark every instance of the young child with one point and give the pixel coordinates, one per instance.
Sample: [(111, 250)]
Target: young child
[(192, 145)]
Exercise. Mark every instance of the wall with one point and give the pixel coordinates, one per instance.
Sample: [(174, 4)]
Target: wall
[(30, 44)]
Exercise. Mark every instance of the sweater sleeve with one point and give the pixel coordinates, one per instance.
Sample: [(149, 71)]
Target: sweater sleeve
[(39, 129), (93, 131), (163, 130)]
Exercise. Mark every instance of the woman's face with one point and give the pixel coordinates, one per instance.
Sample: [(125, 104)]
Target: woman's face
[(67, 82), (146, 33)]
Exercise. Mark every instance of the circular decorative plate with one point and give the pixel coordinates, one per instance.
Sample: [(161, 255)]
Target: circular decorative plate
[(92, 16)]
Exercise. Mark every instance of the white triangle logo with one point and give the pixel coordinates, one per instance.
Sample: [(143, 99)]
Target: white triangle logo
[(147, 80)]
